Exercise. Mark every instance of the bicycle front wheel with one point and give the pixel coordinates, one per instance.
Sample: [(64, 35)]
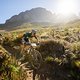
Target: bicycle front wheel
[(36, 58)]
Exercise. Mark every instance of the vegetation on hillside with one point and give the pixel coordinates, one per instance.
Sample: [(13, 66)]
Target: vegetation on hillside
[(59, 48)]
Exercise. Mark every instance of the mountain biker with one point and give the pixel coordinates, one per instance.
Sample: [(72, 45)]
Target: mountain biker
[(28, 35), (36, 57)]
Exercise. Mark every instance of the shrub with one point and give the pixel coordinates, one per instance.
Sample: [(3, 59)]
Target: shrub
[(75, 47), (52, 48), (8, 69)]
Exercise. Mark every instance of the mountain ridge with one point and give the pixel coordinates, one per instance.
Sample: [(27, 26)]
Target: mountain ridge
[(38, 15)]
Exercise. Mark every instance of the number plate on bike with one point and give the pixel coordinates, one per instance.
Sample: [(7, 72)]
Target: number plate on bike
[(33, 44)]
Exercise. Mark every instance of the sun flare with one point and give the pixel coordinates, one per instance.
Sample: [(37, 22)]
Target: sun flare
[(67, 7)]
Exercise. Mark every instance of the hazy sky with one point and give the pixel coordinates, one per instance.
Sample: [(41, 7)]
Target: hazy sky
[(8, 8)]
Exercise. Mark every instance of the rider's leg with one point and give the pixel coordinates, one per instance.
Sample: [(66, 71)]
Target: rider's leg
[(27, 41), (23, 45)]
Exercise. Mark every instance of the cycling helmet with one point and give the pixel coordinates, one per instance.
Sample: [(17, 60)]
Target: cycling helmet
[(34, 31)]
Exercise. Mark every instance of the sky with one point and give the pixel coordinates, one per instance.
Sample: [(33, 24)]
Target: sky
[(8, 8)]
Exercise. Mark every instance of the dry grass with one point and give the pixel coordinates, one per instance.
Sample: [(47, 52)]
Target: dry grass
[(53, 49)]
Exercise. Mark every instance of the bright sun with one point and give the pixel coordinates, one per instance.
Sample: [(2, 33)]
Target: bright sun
[(67, 7)]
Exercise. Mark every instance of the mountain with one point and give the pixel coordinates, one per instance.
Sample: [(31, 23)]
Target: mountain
[(66, 18), (38, 16), (30, 16)]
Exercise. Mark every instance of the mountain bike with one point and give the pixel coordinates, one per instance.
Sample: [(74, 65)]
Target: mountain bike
[(35, 58)]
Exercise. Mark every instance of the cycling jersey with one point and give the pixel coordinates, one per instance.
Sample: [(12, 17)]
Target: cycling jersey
[(28, 35)]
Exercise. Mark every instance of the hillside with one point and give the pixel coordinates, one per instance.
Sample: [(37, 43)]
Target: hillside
[(59, 50)]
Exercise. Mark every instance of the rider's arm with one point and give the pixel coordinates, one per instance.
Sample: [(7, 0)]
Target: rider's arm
[(36, 38)]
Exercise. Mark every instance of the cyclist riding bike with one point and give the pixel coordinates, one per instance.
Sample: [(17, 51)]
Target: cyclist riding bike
[(26, 40), (34, 55), (27, 36)]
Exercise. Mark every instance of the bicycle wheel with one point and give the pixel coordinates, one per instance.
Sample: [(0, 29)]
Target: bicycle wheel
[(36, 58)]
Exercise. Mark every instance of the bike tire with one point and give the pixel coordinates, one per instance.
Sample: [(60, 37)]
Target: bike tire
[(36, 58)]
